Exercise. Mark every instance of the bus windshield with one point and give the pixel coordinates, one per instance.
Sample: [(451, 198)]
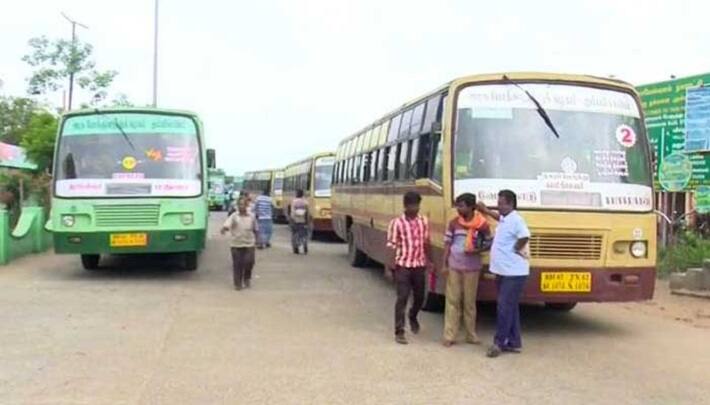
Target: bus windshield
[(323, 176), (278, 185), (128, 154), (600, 160)]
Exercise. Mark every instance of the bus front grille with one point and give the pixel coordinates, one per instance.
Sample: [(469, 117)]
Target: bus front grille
[(566, 246), (127, 215)]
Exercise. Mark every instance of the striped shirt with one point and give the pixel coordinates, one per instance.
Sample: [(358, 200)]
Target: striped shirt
[(409, 238), (262, 207)]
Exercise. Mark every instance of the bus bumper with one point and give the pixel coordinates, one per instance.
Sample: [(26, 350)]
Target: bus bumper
[(608, 285), (279, 215), (172, 241), (323, 225)]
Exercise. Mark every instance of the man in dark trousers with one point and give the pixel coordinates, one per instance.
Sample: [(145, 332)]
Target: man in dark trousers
[(408, 236), (509, 262)]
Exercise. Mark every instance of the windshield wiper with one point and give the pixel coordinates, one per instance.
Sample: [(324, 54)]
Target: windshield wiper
[(543, 114), (115, 122)]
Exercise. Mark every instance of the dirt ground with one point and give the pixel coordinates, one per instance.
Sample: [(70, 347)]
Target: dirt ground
[(314, 330)]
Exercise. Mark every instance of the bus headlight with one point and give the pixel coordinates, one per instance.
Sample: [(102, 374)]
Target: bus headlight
[(68, 220), (638, 249), (187, 219)]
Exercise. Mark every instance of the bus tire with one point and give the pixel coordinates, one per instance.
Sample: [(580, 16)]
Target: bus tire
[(191, 261), (434, 302), (560, 306), (356, 256), (90, 262)]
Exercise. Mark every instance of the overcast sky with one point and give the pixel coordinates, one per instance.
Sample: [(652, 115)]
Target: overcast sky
[(277, 80)]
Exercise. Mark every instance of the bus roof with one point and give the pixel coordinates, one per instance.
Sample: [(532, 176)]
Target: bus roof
[(311, 157), (114, 110), (488, 77)]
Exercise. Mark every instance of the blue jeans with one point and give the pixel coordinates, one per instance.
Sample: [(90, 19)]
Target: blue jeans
[(510, 288), (266, 228)]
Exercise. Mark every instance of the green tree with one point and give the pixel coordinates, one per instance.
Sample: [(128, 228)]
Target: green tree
[(39, 137), (55, 60), (15, 115)]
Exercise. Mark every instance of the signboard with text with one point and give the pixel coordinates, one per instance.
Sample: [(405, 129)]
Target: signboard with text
[(664, 107), (14, 157)]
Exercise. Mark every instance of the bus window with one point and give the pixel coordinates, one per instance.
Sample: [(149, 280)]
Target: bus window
[(417, 118), (366, 142), (375, 164), (366, 167), (412, 158), (433, 112), (356, 169), (358, 147), (437, 155), (423, 157), (342, 172), (383, 134), (375, 137), (404, 125), (383, 163), (391, 162), (403, 159), (394, 128)]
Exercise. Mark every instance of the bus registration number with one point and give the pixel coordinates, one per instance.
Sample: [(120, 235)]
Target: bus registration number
[(129, 239), (565, 281)]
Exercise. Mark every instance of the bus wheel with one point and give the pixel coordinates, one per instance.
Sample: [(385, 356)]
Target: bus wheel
[(90, 262), (191, 261), (434, 302), (560, 306), (356, 256)]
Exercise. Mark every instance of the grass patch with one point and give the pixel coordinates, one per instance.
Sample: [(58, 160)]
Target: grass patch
[(689, 251)]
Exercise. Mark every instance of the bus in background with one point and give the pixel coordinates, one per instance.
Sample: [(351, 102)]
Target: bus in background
[(256, 182), (277, 188), (573, 148), (314, 176), (216, 189), (129, 181)]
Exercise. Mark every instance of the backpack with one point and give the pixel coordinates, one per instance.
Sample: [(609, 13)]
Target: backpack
[(299, 209)]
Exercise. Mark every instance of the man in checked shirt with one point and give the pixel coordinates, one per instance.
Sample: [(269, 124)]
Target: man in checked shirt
[(408, 236)]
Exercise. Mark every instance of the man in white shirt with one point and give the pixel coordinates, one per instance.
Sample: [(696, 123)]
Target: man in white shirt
[(509, 261)]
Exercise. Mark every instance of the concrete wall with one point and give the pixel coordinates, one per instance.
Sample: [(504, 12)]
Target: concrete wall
[(29, 235)]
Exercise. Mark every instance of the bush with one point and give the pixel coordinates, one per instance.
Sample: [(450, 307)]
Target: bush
[(689, 251)]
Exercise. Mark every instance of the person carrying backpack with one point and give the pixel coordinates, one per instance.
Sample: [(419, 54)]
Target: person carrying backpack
[(298, 219)]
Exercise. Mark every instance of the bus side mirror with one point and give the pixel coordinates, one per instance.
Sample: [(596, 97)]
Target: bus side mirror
[(211, 159)]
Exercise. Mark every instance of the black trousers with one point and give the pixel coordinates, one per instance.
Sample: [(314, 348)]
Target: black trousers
[(242, 263), (409, 281)]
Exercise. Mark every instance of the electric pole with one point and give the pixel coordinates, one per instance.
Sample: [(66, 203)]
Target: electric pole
[(155, 58), (72, 59)]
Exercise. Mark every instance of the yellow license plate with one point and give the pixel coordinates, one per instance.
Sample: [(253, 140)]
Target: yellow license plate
[(561, 281), (129, 239)]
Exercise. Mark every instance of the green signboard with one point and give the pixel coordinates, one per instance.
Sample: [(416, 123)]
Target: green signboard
[(664, 107), (130, 123), (675, 172), (702, 199)]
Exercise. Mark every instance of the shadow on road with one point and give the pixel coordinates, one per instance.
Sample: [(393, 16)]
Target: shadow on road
[(536, 319), (139, 267)]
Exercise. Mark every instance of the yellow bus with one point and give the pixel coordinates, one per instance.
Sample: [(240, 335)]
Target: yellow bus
[(257, 181), (277, 187), (312, 175), (573, 148)]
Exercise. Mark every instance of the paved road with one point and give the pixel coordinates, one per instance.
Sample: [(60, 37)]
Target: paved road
[(314, 330)]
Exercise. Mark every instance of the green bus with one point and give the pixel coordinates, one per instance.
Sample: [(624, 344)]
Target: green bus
[(129, 181), (216, 186)]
